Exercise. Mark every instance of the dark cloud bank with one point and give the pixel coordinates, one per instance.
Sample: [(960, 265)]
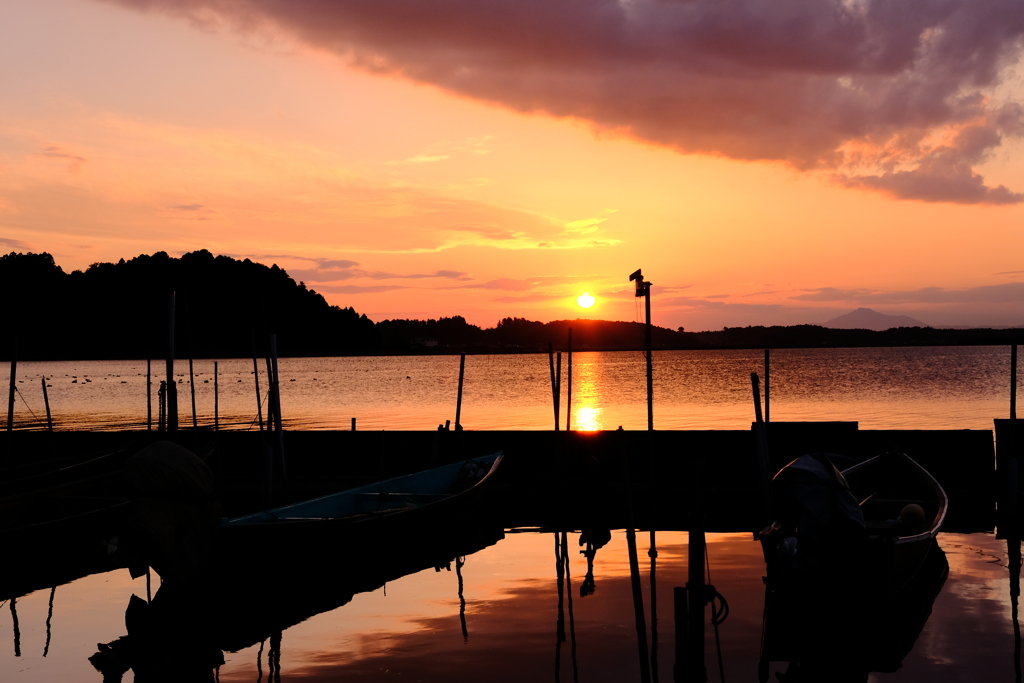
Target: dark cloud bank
[(891, 96)]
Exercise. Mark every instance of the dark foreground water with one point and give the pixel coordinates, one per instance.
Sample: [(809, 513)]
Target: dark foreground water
[(411, 629)]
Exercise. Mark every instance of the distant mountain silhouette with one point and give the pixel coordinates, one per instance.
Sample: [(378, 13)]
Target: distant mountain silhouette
[(868, 319)]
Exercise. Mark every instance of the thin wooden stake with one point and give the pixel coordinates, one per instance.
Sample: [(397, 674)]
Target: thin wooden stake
[(458, 402), (46, 402), (161, 395), (558, 385), (270, 410), (767, 385), (149, 394), (353, 424), (192, 389), (256, 377), (554, 382), (216, 397), (1013, 382), (568, 390), (275, 394), (761, 443), (171, 391), (10, 393)]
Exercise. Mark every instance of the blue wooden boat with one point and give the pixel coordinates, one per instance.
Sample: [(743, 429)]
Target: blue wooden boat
[(409, 510)]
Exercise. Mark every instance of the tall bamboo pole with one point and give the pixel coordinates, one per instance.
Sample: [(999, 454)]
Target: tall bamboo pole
[(11, 389), (171, 398), (46, 402), (568, 390), (458, 401)]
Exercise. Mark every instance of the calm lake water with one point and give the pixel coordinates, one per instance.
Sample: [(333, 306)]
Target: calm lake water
[(923, 387), (411, 630)]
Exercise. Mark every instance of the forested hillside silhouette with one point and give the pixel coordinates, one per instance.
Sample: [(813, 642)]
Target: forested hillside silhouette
[(225, 306)]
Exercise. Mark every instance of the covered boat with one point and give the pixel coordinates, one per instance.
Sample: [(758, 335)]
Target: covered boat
[(873, 523)]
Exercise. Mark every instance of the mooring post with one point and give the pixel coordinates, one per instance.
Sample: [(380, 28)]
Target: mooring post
[(558, 388), (1013, 382), (216, 397), (12, 387), (149, 394), (1012, 462), (161, 397), (458, 401), (767, 385), (568, 389), (192, 390), (554, 385), (761, 443), (256, 377), (171, 390), (353, 424), (46, 402), (276, 405), (270, 407), (695, 587)]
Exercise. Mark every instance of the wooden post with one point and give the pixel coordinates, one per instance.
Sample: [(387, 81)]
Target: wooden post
[(256, 377), (46, 402), (650, 359), (643, 289), (270, 382), (161, 396), (767, 385), (458, 402), (695, 587), (216, 397), (761, 444), (1012, 462), (192, 389), (568, 390), (558, 387), (11, 389), (1013, 382), (353, 424), (275, 393), (171, 390), (149, 394), (554, 386)]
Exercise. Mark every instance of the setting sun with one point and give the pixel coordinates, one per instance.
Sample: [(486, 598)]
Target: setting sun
[(585, 300)]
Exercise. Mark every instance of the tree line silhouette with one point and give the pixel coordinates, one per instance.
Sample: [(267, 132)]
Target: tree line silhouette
[(226, 306)]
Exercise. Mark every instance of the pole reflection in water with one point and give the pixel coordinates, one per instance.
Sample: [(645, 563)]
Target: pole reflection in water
[(259, 663), (560, 621), (17, 628), (459, 562), (413, 633), (568, 590), (1014, 562), (49, 619), (653, 554)]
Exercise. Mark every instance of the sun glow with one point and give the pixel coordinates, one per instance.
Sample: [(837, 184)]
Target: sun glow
[(585, 300)]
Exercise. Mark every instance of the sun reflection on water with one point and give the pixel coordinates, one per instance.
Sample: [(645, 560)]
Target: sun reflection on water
[(587, 419)]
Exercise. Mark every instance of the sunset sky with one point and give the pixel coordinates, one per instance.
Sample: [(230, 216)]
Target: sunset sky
[(764, 162)]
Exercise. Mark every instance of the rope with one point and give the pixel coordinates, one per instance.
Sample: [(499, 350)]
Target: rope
[(718, 615), (257, 417), (34, 417)]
